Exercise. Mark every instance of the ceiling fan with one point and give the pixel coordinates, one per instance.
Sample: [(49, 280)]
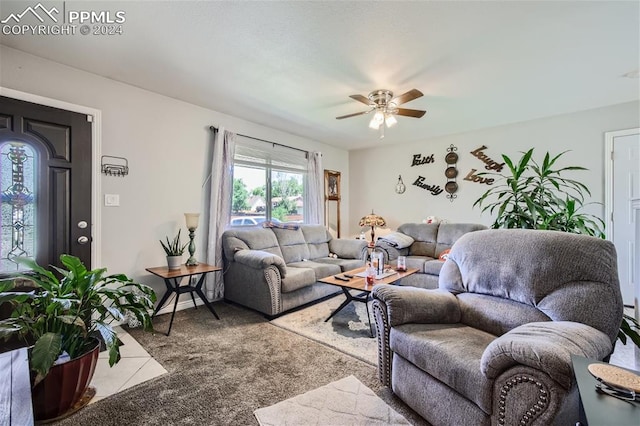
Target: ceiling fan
[(386, 107)]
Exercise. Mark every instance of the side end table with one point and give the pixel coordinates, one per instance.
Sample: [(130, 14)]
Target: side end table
[(172, 278)]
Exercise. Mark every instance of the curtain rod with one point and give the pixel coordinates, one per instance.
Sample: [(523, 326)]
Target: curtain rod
[(215, 129)]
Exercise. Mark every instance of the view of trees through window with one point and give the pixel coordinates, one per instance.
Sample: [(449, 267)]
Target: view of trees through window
[(253, 186)]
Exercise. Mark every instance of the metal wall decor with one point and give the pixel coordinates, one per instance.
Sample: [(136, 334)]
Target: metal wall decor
[(118, 166), (400, 188), (489, 165), (419, 160), (434, 189), (451, 172)]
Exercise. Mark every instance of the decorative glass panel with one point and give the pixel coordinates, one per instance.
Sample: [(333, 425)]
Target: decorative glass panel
[(17, 204)]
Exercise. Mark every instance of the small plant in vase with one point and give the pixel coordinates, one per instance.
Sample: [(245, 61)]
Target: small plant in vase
[(174, 250)]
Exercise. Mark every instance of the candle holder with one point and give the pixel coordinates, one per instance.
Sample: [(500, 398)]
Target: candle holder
[(192, 225)]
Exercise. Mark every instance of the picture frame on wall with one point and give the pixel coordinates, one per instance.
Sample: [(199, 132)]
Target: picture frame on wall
[(331, 185)]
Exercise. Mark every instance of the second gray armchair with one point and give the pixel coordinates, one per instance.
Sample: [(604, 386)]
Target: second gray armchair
[(493, 344)]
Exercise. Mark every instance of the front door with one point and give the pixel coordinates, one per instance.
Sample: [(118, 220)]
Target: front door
[(45, 184)]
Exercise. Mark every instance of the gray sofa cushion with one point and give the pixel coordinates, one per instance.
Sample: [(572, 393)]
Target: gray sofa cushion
[(449, 352), (344, 264), (546, 282), (253, 238), (320, 269), (449, 233), (433, 267), (317, 239), (417, 262), (297, 278), (292, 244), (495, 315), (425, 236)]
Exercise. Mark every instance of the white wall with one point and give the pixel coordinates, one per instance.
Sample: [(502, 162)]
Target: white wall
[(165, 141), (374, 172)]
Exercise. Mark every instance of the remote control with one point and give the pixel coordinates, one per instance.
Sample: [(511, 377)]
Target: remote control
[(337, 277), (348, 275)]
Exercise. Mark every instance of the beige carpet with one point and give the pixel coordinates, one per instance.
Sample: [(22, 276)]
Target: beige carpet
[(348, 331), (343, 402)]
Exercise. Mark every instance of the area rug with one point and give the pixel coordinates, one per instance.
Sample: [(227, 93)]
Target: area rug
[(343, 402), (348, 331)]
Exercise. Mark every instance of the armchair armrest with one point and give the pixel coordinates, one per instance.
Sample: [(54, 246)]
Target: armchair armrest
[(417, 305), (545, 346), (348, 249), (259, 259), (391, 251)]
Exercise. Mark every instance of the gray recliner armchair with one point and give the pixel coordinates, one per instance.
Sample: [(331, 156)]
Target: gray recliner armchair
[(493, 344)]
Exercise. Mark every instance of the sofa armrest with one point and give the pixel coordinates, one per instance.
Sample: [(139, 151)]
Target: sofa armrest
[(545, 346), (348, 249), (392, 253), (416, 305), (259, 259)]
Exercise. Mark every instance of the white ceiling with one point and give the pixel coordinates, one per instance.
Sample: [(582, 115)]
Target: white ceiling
[(292, 65)]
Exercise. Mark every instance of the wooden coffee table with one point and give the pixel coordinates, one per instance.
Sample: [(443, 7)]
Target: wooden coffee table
[(360, 283)]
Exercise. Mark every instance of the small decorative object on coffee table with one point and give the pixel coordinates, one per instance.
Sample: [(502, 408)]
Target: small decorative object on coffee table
[(172, 278)]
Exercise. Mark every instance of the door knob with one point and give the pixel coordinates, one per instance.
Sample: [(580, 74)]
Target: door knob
[(82, 224), (83, 240)]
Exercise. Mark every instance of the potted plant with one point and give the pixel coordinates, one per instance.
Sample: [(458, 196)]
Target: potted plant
[(535, 195), (59, 319), (174, 250)]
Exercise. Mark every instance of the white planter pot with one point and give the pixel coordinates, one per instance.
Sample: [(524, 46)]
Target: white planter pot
[(174, 262)]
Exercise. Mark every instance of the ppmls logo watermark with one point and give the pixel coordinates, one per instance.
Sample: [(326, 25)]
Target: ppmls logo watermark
[(58, 20)]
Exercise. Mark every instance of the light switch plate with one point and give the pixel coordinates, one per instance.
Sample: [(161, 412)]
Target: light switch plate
[(112, 200)]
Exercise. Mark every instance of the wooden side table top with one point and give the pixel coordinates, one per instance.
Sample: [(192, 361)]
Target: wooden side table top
[(184, 271), (360, 283)]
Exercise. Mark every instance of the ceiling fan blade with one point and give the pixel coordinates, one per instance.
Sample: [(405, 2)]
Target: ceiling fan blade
[(406, 97), (362, 99), (353, 115), (416, 113)]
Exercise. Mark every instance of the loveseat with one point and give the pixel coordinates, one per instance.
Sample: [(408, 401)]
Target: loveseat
[(492, 345), (274, 270), (429, 241)]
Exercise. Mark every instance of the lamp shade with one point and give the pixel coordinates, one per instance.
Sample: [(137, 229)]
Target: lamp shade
[(372, 220), (192, 220)]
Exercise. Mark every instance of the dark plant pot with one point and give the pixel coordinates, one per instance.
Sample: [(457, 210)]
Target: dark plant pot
[(64, 386)]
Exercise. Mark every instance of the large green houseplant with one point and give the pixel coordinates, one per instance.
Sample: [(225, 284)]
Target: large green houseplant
[(537, 195), (67, 307)]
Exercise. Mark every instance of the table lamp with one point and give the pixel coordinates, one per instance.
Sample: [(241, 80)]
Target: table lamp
[(372, 220), (192, 224)]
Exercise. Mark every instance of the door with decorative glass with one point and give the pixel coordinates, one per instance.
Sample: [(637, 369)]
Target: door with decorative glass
[(45, 184)]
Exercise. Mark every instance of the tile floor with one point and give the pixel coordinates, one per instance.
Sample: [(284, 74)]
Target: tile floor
[(136, 366)]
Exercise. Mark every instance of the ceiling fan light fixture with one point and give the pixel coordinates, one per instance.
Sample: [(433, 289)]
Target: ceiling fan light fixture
[(390, 120), (377, 120)]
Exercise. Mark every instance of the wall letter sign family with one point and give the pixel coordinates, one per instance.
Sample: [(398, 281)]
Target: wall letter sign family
[(489, 165), (434, 189)]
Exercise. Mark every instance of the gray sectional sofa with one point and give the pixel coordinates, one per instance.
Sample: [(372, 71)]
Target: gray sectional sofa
[(430, 240), (273, 270)]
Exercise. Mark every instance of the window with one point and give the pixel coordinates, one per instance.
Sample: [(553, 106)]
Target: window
[(17, 204), (268, 183)]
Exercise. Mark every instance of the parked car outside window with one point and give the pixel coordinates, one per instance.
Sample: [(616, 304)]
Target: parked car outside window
[(250, 220)]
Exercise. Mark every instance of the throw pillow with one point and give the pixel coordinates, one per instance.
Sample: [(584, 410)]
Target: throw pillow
[(445, 254)]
